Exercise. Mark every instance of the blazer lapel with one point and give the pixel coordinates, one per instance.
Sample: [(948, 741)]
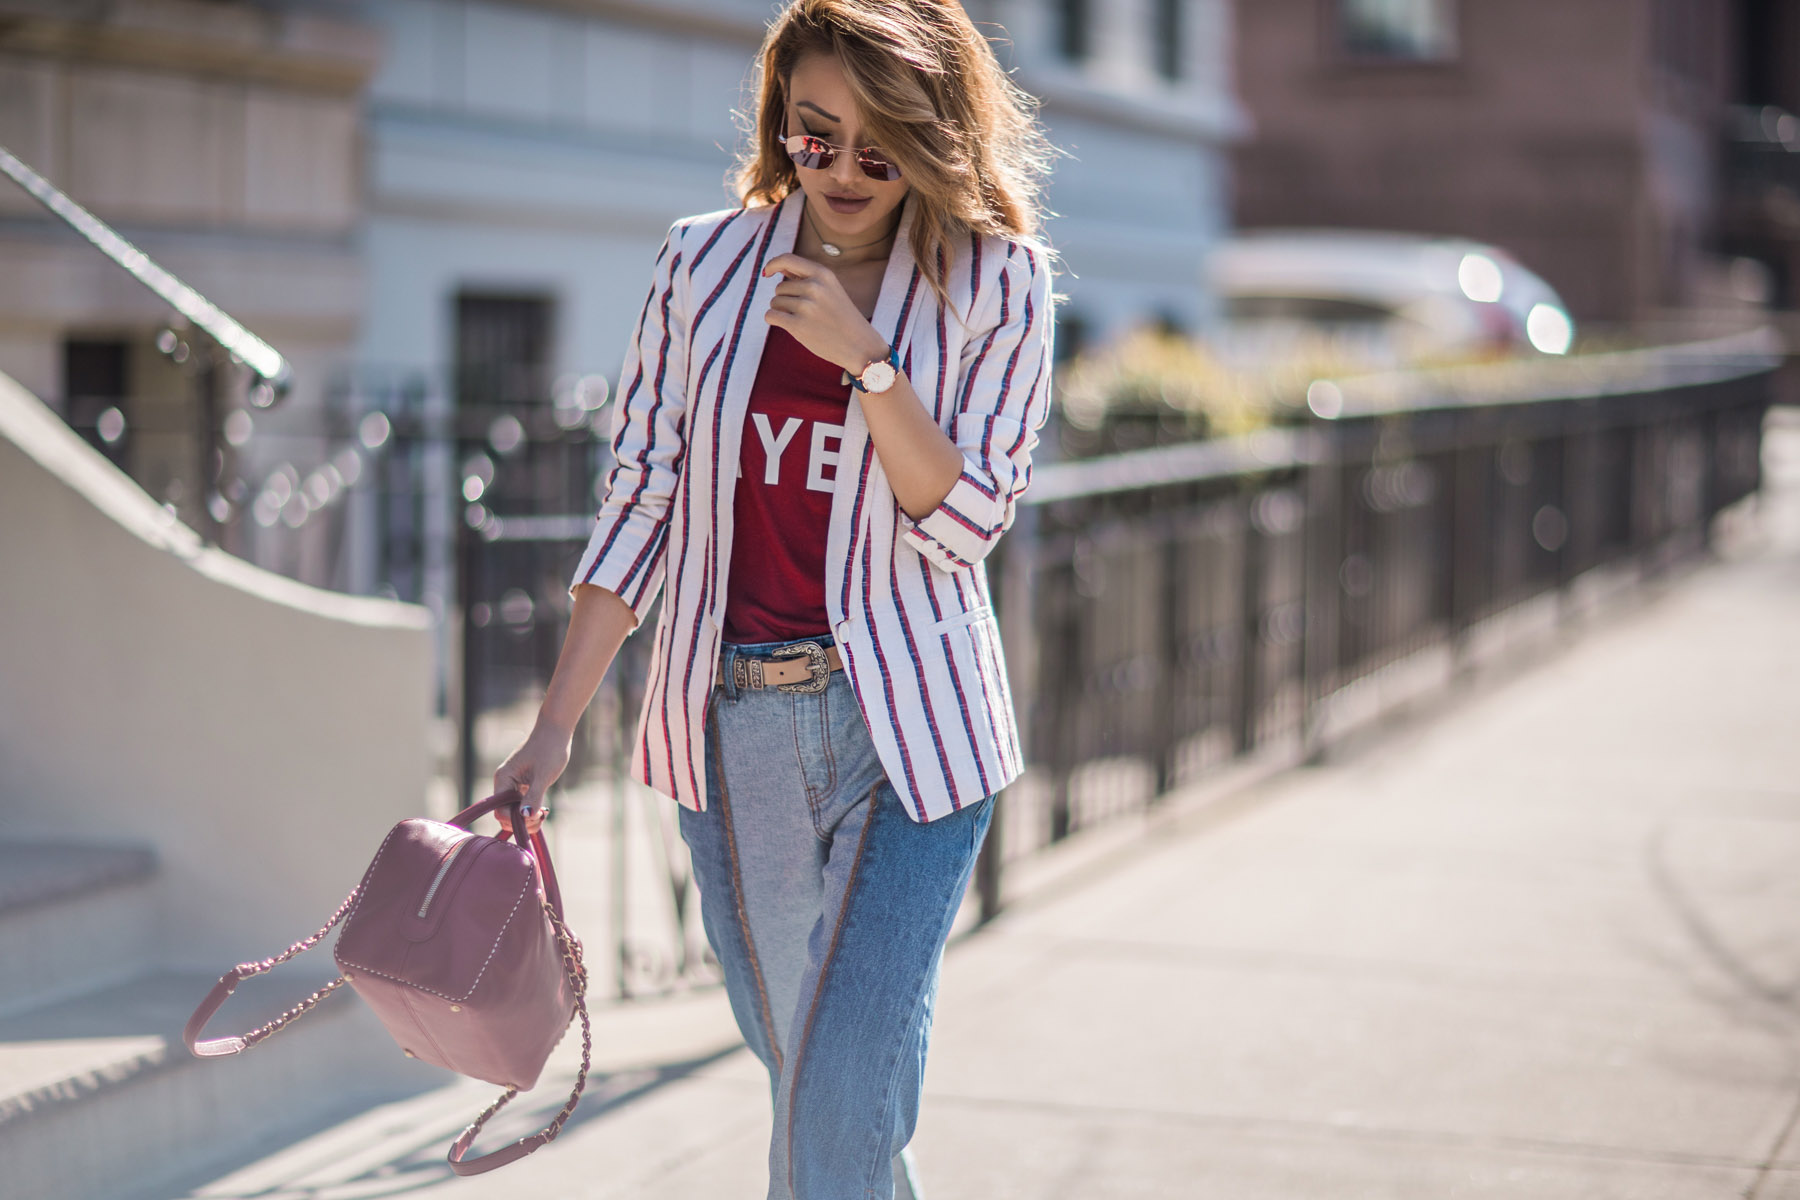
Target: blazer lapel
[(896, 283), (740, 372), (739, 376)]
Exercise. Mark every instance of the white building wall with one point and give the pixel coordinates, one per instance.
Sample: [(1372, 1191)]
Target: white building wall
[(1142, 195), (521, 149), (540, 148)]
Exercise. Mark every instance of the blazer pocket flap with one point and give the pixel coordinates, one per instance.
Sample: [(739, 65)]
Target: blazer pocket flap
[(969, 617)]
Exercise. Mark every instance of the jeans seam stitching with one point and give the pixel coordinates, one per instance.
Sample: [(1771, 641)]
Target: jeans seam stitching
[(885, 1115), (743, 910), (815, 797), (837, 933), (806, 783), (830, 761)]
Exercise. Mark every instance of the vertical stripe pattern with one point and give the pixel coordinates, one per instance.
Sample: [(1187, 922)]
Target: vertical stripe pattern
[(908, 600)]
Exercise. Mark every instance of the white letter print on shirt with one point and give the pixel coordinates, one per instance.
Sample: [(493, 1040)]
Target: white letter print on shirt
[(821, 457), (773, 446)]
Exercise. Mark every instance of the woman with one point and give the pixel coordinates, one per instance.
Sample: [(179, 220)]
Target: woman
[(825, 417)]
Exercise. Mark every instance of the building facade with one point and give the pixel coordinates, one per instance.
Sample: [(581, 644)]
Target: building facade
[(1584, 138), (530, 156), (223, 139), (525, 160), (436, 207)]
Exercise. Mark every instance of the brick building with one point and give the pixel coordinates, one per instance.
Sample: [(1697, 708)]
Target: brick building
[(1590, 139)]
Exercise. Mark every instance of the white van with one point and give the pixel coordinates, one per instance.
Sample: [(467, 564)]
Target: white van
[(1383, 299)]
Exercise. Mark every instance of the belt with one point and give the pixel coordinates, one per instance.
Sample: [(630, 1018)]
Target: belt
[(801, 667)]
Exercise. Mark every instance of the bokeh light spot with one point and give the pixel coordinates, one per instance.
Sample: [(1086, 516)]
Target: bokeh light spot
[(239, 427), (1549, 328), (111, 426), (374, 430), (1324, 398), (1480, 278)]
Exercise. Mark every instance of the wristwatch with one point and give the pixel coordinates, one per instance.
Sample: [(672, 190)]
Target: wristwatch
[(879, 375)]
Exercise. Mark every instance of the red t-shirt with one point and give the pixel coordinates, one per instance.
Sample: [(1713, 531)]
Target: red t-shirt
[(786, 473)]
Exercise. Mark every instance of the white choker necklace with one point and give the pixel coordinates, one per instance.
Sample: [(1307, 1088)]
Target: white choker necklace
[(832, 248)]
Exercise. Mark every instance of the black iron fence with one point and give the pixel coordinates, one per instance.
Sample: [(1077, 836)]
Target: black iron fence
[(1166, 612), (1171, 610)]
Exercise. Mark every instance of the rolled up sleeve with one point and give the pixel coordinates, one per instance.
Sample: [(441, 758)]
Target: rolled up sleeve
[(1003, 398), (627, 549)]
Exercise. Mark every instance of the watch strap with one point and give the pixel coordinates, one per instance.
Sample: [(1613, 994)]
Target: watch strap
[(892, 360)]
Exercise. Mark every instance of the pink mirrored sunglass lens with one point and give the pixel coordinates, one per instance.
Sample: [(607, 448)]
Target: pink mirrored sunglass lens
[(815, 155)]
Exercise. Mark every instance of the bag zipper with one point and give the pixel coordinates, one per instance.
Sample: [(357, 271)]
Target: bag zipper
[(442, 871)]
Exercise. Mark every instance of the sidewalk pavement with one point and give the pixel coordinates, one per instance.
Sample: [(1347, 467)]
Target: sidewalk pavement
[(1542, 942)]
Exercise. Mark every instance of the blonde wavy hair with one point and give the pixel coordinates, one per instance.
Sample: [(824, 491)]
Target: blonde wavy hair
[(932, 96)]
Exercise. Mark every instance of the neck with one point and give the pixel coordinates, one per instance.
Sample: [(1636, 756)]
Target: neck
[(851, 250)]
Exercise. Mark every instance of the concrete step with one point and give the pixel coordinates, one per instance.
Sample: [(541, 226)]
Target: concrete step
[(73, 918), (100, 1100)]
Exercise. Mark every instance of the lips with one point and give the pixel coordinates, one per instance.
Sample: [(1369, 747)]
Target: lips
[(847, 204)]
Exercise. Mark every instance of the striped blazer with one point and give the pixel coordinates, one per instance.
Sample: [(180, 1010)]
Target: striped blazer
[(908, 600)]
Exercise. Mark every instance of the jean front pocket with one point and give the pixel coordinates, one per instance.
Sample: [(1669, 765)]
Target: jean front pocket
[(813, 749)]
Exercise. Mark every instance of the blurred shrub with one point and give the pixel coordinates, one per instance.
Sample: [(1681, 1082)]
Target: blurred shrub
[(1151, 387)]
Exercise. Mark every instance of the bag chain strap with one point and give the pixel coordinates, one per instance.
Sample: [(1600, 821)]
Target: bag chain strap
[(576, 970), (573, 967), (244, 971)]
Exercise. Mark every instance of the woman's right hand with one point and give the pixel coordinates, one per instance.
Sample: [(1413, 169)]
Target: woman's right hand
[(598, 622), (530, 770)]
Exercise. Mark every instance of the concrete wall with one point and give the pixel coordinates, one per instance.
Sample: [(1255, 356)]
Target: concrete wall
[(261, 735)]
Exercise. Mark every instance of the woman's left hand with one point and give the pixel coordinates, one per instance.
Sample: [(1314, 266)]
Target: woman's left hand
[(811, 304)]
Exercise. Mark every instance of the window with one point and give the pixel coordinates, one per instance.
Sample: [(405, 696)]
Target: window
[(1680, 37), (1309, 310), (1417, 30), (1167, 37), (96, 379), (1071, 336), (1074, 28), (502, 349)]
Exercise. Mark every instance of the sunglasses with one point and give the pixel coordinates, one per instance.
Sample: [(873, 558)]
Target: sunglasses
[(816, 154)]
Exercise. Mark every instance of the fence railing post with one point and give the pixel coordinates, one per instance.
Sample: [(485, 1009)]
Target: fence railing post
[(1323, 539), (1243, 726)]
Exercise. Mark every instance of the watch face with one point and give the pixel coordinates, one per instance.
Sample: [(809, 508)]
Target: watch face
[(878, 377)]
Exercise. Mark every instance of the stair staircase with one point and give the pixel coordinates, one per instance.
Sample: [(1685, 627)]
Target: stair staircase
[(99, 1098)]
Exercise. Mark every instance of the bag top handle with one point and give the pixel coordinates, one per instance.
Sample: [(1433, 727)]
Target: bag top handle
[(531, 843), (510, 798)]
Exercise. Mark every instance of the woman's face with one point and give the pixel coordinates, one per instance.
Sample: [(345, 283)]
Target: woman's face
[(848, 205)]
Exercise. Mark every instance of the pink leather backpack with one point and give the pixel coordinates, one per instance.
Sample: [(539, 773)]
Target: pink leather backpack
[(457, 941)]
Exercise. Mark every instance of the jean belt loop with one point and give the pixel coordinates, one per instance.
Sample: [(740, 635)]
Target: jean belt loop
[(728, 662)]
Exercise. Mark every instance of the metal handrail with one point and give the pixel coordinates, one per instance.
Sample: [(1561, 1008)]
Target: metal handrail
[(1540, 380), (1396, 394), (1184, 462), (260, 357), (1169, 610)]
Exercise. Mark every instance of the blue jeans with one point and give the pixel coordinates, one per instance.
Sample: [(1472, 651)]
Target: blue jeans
[(828, 908)]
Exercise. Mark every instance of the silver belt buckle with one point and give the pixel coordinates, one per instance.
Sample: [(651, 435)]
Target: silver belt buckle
[(815, 659)]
